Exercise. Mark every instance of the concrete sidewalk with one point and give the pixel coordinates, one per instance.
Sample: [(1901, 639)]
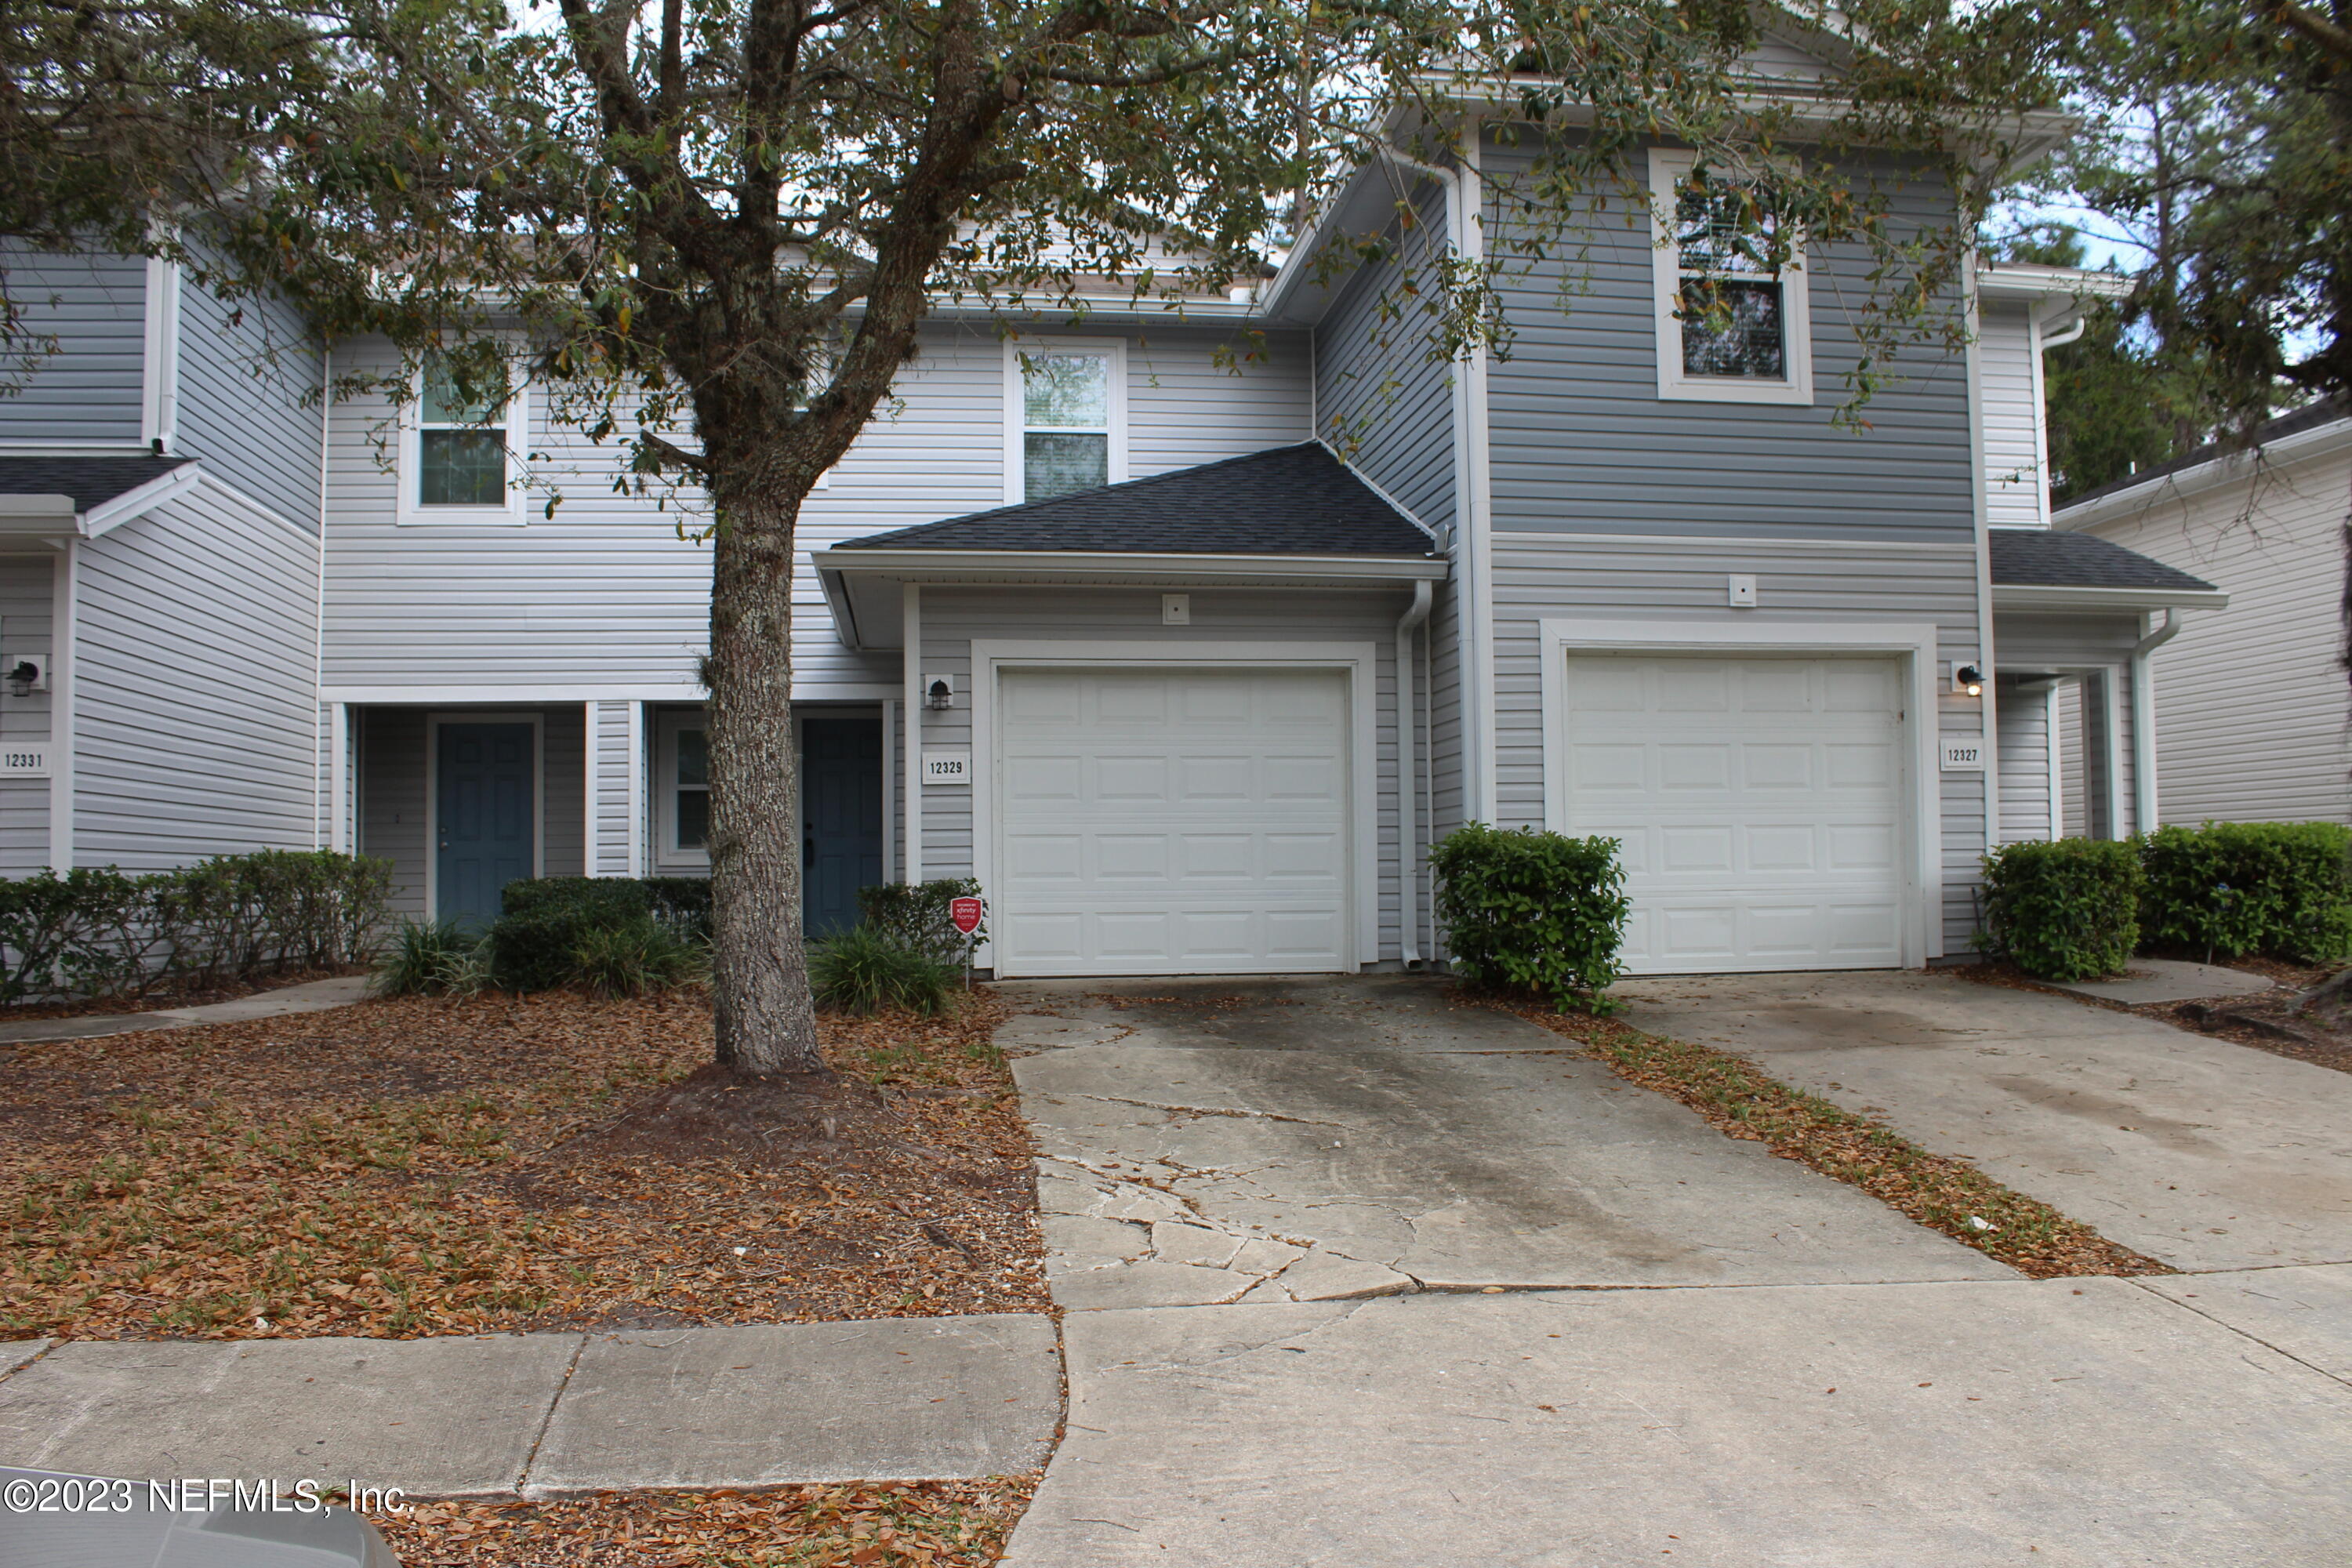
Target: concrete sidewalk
[(548, 1415), (310, 996)]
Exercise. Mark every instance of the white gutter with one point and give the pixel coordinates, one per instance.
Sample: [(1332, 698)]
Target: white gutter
[(1088, 563), (2057, 596), (134, 503), (2142, 712), (1408, 815)]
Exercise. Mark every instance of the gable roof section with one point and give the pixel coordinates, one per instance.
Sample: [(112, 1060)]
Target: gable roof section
[(88, 482), (52, 498), (1286, 500), (2276, 439), (2033, 566)]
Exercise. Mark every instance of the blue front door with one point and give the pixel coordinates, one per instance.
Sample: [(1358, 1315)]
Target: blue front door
[(483, 816), (841, 819)]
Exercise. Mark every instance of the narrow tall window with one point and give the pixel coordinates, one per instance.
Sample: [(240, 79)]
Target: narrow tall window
[(1729, 289), (1066, 423), (461, 445), (690, 808), (1734, 325)]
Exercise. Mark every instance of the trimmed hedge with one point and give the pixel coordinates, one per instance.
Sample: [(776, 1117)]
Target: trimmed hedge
[(564, 931), (2067, 909), (1532, 912), (99, 931), (2230, 889), (915, 915)]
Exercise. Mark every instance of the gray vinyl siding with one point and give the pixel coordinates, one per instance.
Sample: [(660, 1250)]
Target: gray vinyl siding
[(953, 618), (250, 377), (1380, 400), (2016, 489), (2079, 646), (1653, 580), (2022, 720), (619, 750), (91, 389), (26, 615), (2250, 700), (195, 677), (394, 793), (607, 595), (1581, 442)]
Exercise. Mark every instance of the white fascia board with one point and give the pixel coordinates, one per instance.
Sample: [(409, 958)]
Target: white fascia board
[(47, 520), (1001, 565), (2020, 280), (2057, 596), (2334, 436), (134, 503)]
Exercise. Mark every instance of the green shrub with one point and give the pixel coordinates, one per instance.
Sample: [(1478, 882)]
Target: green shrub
[(2067, 909), (1537, 912), (2230, 889), (867, 968), (432, 958), (98, 930), (915, 914), (632, 959)]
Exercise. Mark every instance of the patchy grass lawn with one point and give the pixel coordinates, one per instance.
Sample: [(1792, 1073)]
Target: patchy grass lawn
[(1939, 1191), (415, 1167), (938, 1524)]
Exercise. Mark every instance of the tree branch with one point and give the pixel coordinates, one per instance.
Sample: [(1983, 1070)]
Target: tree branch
[(2318, 29)]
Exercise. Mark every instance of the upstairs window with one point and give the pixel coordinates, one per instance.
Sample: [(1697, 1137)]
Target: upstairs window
[(459, 452), (1066, 417), (1733, 320)]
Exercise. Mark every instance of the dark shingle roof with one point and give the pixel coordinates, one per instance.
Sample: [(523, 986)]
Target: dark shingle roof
[(2034, 557), (92, 481), (2327, 411), (1288, 500)]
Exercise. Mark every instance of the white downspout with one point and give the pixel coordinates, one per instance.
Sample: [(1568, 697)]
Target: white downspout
[(911, 634), (1408, 818), (1471, 524), (2142, 712)]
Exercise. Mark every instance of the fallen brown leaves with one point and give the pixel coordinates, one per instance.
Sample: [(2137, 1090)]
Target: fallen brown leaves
[(938, 1524), (417, 1167), (1939, 1191)]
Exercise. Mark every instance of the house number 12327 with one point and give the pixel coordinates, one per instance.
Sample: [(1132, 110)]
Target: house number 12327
[(1964, 756)]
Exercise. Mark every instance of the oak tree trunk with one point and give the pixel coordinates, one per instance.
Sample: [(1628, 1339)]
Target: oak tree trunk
[(759, 968)]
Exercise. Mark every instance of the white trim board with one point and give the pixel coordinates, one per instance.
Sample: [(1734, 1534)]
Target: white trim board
[(433, 722), (1667, 167), (1914, 643), (1359, 660), (507, 695)]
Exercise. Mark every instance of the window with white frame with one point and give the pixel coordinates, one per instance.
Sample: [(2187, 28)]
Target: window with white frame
[(682, 787), (460, 450), (1733, 321), (1066, 421)]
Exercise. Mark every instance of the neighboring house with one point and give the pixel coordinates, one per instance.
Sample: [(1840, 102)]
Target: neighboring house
[(1187, 667), (2251, 707)]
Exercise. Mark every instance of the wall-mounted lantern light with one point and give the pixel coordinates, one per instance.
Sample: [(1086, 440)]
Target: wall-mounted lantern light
[(940, 694), (24, 678), (1968, 680)]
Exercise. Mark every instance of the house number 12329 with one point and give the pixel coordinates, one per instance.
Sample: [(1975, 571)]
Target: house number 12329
[(947, 767)]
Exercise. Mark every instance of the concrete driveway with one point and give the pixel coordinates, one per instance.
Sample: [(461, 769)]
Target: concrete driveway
[(1355, 1277), (2196, 1151)]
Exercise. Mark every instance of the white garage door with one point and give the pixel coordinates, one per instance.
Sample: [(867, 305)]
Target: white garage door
[(1760, 801), (1171, 822)]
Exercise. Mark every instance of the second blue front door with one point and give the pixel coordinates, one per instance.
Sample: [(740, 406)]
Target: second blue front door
[(841, 819), (485, 800)]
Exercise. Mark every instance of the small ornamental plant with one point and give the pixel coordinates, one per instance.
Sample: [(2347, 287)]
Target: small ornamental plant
[(2067, 909), (1528, 912)]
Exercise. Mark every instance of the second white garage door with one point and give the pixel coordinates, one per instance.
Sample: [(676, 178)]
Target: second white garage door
[(1171, 822), (1760, 801)]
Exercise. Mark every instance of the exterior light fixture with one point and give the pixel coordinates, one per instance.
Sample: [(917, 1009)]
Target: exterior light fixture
[(942, 695), (1968, 680), (22, 677)]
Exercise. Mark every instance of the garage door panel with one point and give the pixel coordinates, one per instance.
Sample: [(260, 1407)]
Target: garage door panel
[(1758, 803), (1209, 833)]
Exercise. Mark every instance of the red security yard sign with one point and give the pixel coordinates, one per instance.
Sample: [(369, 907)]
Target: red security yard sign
[(966, 914)]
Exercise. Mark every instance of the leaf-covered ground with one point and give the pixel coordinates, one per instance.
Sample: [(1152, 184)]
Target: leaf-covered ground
[(415, 1167), (938, 1524), (1939, 1191)]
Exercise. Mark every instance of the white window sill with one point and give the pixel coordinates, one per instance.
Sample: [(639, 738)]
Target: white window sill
[(1733, 389), (463, 517)]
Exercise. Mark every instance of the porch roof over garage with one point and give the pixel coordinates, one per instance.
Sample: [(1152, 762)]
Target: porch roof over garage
[(1294, 517), (2035, 568)]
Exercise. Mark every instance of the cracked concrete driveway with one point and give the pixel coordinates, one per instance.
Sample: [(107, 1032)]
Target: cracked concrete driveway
[(1317, 1240), (1209, 1142), (2195, 1151)]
